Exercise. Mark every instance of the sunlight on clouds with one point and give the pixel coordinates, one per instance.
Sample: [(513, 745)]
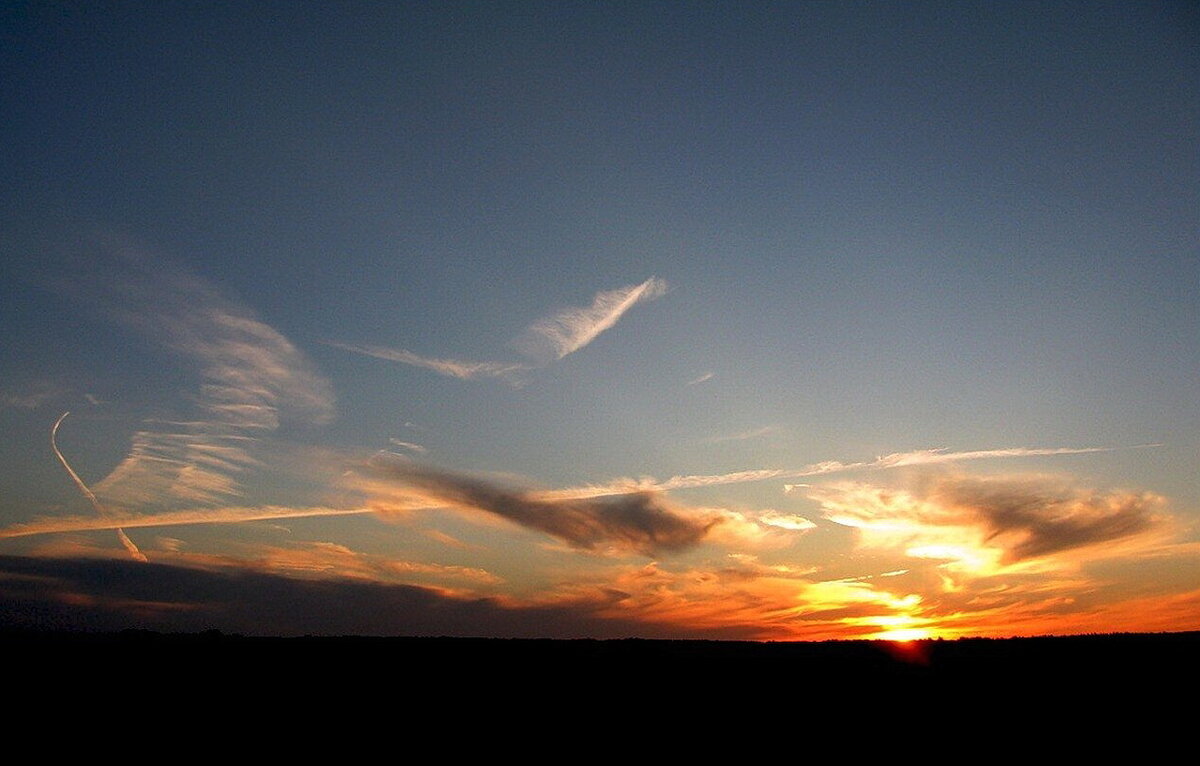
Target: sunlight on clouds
[(861, 608), (734, 598), (904, 634), (225, 515), (789, 521), (754, 529), (412, 446), (986, 525), (743, 597), (316, 560), (327, 559), (648, 523), (961, 555), (449, 540), (821, 468)]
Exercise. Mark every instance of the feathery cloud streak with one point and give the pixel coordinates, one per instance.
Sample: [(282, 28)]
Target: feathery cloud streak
[(546, 340), (451, 368), (894, 460), (408, 445), (570, 329), (252, 378)]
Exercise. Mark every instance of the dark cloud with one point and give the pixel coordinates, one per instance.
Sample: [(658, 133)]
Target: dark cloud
[(640, 521), (110, 595), (1036, 517)]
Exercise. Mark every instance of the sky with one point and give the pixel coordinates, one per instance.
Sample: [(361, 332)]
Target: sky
[(772, 321)]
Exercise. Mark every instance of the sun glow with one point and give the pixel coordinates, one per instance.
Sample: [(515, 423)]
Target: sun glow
[(904, 635)]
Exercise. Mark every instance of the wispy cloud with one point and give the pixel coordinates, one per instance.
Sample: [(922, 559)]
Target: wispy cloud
[(323, 559), (566, 331), (29, 397), (449, 540), (894, 460), (251, 379), (510, 372), (746, 530), (641, 522), (413, 446), (546, 340), (252, 376), (190, 466), (936, 456), (789, 521)]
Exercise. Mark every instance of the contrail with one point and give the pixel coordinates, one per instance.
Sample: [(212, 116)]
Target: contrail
[(129, 544)]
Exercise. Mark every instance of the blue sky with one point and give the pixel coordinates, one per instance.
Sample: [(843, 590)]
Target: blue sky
[(548, 246)]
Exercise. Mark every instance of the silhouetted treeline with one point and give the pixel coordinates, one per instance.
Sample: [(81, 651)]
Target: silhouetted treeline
[(472, 692), (927, 659)]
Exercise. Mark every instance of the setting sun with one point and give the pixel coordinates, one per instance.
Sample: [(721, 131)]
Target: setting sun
[(903, 634)]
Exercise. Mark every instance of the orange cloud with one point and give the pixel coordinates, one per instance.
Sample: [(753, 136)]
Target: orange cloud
[(304, 559), (986, 525), (746, 598)]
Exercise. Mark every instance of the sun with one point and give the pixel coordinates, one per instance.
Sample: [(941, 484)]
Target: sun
[(904, 634)]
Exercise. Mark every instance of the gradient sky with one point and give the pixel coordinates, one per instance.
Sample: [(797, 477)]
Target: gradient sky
[(773, 321)]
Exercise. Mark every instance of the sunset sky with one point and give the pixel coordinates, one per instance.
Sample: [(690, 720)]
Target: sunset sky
[(695, 320)]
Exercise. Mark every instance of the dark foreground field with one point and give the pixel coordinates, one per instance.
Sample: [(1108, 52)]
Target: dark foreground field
[(468, 699), (473, 695), (1123, 657)]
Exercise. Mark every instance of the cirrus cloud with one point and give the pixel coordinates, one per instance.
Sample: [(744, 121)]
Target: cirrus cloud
[(566, 331), (550, 338), (250, 379)]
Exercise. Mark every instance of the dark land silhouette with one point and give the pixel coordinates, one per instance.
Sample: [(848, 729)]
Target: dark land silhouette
[(618, 695), (1118, 655)]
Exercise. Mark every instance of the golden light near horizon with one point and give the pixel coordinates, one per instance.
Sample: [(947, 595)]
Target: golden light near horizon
[(903, 635)]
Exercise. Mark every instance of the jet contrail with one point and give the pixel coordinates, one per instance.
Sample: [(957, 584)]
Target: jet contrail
[(129, 544)]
